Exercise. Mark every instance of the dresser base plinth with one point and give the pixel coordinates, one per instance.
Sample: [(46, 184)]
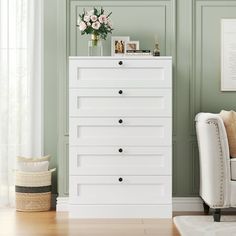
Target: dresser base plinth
[(120, 211)]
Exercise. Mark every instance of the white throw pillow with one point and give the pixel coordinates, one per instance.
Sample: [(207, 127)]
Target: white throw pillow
[(33, 166)]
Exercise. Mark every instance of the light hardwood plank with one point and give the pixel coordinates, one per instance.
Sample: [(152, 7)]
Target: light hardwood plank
[(53, 223)]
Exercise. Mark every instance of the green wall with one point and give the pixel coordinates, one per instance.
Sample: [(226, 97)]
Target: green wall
[(188, 30), (50, 84)]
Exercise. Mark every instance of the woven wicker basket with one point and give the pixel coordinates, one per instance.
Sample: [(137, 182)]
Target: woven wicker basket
[(33, 190)]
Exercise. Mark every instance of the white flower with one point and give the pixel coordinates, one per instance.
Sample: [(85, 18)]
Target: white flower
[(102, 19), (93, 18), (96, 25), (88, 23), (86, 18), (82, 26), (90, 13)]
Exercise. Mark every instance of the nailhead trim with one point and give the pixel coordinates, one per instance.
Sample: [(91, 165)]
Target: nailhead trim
[(221, 203)]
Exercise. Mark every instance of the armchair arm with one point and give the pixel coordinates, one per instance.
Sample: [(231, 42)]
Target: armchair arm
[(214, 160)]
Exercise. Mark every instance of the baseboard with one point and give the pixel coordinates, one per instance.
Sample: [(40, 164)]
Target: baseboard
[(62, 204), (179, 204), (120, 211), (193, 204), (187, 204)]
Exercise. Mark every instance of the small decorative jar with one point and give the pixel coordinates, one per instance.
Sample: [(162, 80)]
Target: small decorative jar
[(156, 51)]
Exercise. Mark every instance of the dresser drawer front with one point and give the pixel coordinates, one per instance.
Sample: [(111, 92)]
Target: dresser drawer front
[(109, 161), (108, 102), (132, 131), (109, 74), (108, 190)]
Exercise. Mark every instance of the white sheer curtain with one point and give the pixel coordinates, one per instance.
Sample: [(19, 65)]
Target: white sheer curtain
[(20, 87)]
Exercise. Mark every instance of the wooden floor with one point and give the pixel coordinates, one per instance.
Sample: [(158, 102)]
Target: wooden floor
[(52, 224)]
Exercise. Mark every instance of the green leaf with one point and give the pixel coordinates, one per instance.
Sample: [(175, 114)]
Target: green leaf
[(95, 11)]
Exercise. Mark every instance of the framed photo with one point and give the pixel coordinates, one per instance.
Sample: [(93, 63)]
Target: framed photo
[(228, 55), (118, 45), (132, 45)]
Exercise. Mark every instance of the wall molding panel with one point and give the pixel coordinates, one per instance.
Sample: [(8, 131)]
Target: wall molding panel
[(62, 98), (166, 9), (199, 74), (174, 169), (195, 168)]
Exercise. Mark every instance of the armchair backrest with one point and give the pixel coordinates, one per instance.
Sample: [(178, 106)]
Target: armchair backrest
[(214, 159)]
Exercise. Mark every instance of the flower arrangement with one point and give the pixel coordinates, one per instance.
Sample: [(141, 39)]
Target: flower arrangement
[(95, 22)]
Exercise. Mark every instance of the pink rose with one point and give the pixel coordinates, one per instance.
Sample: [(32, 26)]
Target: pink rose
[(86, 18), (102, 19), (96, 25), (82, 26), (93, 18)]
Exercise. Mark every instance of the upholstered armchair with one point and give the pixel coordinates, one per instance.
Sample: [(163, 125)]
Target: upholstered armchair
[(217, 169)]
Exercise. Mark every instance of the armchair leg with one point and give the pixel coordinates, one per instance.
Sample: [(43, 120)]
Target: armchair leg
[(206, 208), (217, 215)]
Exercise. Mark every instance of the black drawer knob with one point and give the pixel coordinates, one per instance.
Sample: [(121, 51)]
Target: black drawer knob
[(120, 121), (120, 179), (120, 150), (120, 63), (120, 91)]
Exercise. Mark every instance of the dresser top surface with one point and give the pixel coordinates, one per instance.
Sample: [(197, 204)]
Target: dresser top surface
[(121, 58)]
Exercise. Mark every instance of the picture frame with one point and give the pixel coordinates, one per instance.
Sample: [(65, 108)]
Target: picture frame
[(228, 60), (132, 45), (118, 45)]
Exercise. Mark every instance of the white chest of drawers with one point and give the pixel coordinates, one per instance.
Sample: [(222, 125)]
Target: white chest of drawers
[(120, 118)]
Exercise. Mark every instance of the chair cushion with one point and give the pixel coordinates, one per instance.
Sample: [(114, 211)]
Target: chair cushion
[(233, 168), (229, 119)]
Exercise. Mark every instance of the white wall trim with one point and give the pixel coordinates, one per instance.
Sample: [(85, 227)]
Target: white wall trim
[(62, 204), (187, 204), (179, 204)]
